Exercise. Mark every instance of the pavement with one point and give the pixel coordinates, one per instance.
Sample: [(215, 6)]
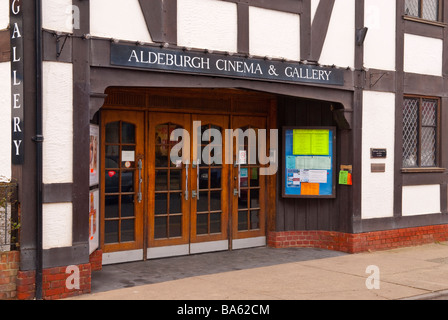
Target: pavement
[(413, 273)]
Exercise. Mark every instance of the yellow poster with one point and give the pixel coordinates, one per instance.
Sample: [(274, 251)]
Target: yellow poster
[(311, 142), (320, 145), (301, 142)]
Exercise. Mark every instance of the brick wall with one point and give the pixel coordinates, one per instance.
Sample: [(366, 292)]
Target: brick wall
[(96, 260), (54, 284), (355, 243), (9, 267)]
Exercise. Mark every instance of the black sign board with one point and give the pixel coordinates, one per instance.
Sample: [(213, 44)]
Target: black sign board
[(222, 65), (378, 153), (17, 70)]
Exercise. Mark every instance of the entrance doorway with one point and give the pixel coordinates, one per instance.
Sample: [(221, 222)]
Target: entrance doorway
[(154, 206)]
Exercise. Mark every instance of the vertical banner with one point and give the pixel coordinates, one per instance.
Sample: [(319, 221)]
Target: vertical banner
[(94, 239), (94, 155), (17, 70)]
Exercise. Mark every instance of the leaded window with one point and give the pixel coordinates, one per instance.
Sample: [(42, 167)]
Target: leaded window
[(425, 9), (420, 132)]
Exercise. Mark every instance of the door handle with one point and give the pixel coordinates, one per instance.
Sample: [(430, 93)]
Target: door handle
[(237, 191), (140, 181), (197, 179), (186, 181)]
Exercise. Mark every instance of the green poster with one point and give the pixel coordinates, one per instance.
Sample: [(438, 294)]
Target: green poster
[(343, 177)]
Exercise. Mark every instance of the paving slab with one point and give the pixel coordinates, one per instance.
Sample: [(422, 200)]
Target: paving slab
[(276, 274)]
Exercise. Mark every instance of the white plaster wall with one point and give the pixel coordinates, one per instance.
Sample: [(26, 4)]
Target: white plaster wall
[(57, 225), (4, 14), (380, 18), (419, 200), (274, 33), (423, 55), (378, 132), (5, 120), (118, 19), (314, 5), (339, 46), (207, 24), (57, 15), (57, 122)]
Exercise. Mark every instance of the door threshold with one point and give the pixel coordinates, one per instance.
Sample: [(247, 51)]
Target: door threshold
[(248, 243), (122, 256)]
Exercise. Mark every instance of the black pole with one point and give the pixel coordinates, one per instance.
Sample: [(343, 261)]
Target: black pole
[(39, 141)]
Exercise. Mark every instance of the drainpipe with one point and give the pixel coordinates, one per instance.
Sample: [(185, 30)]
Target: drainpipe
[(38, 139)]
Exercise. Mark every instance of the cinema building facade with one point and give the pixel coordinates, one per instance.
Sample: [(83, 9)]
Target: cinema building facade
[(352, 93)]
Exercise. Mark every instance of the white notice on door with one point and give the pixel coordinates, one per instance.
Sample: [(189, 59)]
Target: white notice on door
[(318, 176), (128, 156)]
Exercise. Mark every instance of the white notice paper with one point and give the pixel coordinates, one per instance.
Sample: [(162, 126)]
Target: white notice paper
[(318, 176), (128, 156)]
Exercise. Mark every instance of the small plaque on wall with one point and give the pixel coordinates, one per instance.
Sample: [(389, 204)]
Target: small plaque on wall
[(378, 167), (378, 153)]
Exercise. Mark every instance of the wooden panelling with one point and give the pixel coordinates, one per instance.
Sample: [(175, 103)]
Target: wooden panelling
[(310, 214)]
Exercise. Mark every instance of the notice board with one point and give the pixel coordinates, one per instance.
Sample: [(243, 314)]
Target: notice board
[(309, 162)]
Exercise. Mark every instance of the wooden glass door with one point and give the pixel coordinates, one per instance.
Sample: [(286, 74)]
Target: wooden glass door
[(169, 183), (249, 212), (122, 167), (210, 185)]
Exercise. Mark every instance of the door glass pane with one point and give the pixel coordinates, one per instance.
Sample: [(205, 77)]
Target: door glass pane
[(215, 200), (127, 133), (112, 156), (175, 226), (244, 176), (127, 230), (162, 134), (202, 224), (111, 207), (113, 132), (111, 231), (128, 157), (127, 206), (215, 178), (175, 180), (202, 203), (127, 181), (162, 156), (215, 223), (255, 198), (161, 201), (254, 177), (111, 178), (254, 219), (161, 183), (176, 202), (203, 179), (242, 201), (242, 221), (160, 230)]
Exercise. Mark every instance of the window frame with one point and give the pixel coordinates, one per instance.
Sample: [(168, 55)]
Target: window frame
[(420, 16), (419, 167)]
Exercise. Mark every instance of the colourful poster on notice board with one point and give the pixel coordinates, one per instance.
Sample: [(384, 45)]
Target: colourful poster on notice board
[(311, 142), (309, 161)]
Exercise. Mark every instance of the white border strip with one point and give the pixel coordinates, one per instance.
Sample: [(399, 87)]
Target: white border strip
[(248, 243), (209, 246), (122, 256), (169, 251)]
